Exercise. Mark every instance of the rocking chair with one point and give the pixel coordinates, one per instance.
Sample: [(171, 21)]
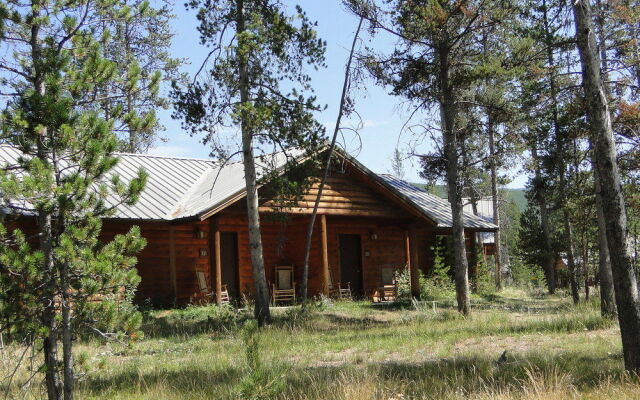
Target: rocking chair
[(206, 291), (284, 289)]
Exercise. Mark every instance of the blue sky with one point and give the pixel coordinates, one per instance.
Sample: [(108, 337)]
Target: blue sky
[(382, 115)]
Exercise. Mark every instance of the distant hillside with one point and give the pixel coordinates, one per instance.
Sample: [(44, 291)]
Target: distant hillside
[(441, 190)]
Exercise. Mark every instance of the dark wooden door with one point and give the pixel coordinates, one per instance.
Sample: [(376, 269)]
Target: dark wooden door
[(229, 258), (351, 263)]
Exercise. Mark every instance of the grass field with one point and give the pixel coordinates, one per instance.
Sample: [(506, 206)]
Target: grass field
[(355, 350)]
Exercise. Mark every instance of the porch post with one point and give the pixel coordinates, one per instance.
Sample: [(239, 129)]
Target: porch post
[(217, 261), (325, 255), (414, 264), (472, 260), (172, 262)]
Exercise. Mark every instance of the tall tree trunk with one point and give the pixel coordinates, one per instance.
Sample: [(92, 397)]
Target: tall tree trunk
[(571, 263), (494, 199), (261, 292), (67, 334), (312, 219), (474, 198), (607, 296), (45, 230), (560, 151), (613, 206), (585, 269), (549, 260), (50, 342), (451, 144)]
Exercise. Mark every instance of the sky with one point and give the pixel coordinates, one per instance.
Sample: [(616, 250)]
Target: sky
[(382, 116)]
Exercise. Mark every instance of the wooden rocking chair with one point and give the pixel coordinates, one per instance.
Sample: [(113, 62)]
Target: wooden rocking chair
[(388, 292), (206, 291), (338, 290), (284, 289)]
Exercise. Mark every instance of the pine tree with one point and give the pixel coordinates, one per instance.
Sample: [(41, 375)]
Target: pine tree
[(136, 37), (613, 204), (255, 81), (438, 59), (61, 175)]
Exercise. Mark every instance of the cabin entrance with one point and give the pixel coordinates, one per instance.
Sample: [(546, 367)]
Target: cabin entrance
[(229, 263), (351, 263)]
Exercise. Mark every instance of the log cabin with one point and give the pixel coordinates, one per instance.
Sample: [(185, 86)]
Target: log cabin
[(193, 215)]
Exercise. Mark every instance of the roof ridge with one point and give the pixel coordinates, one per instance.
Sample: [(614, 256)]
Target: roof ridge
[(143, 155), (208, 160)]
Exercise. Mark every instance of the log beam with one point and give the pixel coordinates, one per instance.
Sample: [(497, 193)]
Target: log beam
[(325, 255), (172, 262), (414, 262), (217, 262)]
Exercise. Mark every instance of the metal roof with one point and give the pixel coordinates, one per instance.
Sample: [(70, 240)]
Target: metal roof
[(176, 187), (434, 207), (185, 187)]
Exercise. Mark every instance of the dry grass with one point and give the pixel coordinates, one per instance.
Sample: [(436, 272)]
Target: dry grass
[(361, 352)]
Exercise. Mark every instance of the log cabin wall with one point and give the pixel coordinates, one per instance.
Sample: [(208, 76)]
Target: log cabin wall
[(159, 283), (284, 241), (345, 193)]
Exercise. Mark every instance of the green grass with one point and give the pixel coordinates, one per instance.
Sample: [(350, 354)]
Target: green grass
[(356, 350)]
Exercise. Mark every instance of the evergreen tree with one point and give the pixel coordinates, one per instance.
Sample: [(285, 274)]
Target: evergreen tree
[(608, 175), (254, 80), (136, 36), (438, 59), (64, 147)]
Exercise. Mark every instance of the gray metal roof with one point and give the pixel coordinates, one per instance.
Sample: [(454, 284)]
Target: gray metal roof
[(176, 187), (186, 187), (434, 207)]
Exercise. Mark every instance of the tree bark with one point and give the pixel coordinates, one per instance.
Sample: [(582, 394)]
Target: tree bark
[(45, 230), (573, 272), (451, 144), (607, 296), (261, 292), (549, 267), (494, 199), (332, 146), (613, 205), (561, 168), (67, 335)]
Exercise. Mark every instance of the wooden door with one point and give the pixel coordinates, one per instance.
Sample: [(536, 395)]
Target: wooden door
[(229, 261), (351, 263)]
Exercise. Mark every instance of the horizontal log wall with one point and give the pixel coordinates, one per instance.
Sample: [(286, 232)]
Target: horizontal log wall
[(343, 194), (284, 241), (154, 262)]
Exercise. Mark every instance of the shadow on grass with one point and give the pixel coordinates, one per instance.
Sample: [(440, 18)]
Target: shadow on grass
[(436, 378), (469, 375), (185, 377)]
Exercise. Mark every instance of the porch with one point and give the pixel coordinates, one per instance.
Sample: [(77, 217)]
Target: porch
[(361, 251)]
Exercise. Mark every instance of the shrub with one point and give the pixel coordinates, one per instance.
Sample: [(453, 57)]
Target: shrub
[(193, 319)]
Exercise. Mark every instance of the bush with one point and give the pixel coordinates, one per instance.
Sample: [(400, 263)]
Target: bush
[(193, 320), (525, 276), (438, 285), (485, 275)]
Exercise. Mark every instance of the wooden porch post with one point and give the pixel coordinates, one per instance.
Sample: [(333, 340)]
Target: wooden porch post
[(414, 263), (325, 255), (172, 262), (473, 260), (217, 260)]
